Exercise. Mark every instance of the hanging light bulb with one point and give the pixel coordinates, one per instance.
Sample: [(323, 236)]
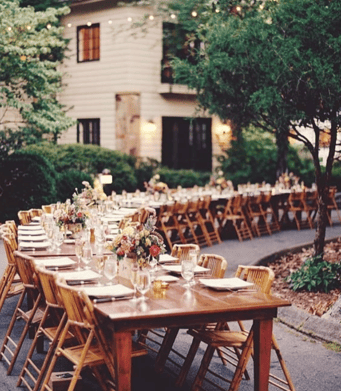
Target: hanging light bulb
[(48, 26), (9, 28), (89, 24), (110, 21), (28, 27), (129, 19), (173, 16), (151, 17), (194, 14), (69, 25)]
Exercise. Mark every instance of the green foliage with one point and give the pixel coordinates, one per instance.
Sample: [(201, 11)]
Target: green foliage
[(27, 180), (316, 275), (68, 181), (252, 158), (91, 159), (184, 178), (336, 176), (145, 169), (29, 80)]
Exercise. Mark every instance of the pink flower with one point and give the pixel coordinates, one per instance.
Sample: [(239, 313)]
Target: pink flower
[(154, 250)]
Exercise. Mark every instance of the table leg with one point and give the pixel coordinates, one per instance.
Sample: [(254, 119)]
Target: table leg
[(262, 353), (122, 349)]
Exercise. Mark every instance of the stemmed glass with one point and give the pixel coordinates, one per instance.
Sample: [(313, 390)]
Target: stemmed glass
[(187, 271), (87, 255), (152, 264), (133, 276), (143, 282), (110, 268), (59, 240), (193, 256), (99, 262), (79, 244)]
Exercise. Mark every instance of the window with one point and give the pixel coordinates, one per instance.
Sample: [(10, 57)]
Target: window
[(88, 131), (88, 44), (187, 143)]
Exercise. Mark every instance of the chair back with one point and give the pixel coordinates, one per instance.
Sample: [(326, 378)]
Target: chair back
[(261, 277), (26, 270), (10, 245), (181, 251), (24, 217), (35, 212), (216, 263), (48, 284), (47, 209)]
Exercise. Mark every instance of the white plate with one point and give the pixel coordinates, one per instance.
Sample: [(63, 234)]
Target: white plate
[(30, 229), (177, 269), (55, 262), (225, 283), (83, 275), (168, 278), (69, 241), (31, 238), (118, 290), (167, 258)]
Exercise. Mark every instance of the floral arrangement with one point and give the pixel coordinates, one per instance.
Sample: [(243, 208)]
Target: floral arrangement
[(88, 196), (154, 185), (70, 213), (220, 182), (140, 240)]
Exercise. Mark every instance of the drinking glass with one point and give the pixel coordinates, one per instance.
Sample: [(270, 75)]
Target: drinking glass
[(79, 244), (133, 276), (193, 256), (110, 268), (187, 271), (87, 255), (152, 264), (99, 264), (143, 282), (59, 240)]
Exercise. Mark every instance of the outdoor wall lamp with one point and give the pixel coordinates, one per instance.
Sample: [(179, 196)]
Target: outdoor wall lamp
[(223, 134)]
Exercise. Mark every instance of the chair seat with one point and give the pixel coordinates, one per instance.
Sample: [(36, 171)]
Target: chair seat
[(94, 356), (220, 338)]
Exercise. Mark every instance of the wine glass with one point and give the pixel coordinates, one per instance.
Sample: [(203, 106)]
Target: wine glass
[(110, 268), (133, 276), (193, 256), (99, 263), (187, 271), (79, 251), (87, 255), (152, 264), (59, 240), (143, 282)]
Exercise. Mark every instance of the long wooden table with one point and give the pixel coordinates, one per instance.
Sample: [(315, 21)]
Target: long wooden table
[(182, 308)]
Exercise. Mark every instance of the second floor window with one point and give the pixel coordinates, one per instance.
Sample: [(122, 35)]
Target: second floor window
[(88, 131), (88, 43)]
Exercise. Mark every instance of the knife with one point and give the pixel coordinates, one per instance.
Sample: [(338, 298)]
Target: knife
[(108, 299)]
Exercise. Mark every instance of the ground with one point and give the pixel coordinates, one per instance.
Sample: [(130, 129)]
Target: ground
[(316, 303)]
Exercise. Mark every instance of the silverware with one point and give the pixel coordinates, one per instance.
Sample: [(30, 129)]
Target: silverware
[(108, 299)]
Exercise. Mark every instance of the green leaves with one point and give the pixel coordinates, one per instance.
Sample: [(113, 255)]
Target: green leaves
[(316, 275)]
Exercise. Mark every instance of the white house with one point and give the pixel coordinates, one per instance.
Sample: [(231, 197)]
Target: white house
[(120, 93)]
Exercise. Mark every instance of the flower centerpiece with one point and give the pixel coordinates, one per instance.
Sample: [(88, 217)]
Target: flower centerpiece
[(70, 213), (88, 196), (154, 185), (140, 241)]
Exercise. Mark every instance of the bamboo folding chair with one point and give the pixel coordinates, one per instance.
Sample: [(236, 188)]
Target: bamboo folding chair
[(332, 205), (256, 215), (92, 349), (51, 327), (227, 341), (32, 317), (196, 224), (164, 340), (181, 251), (208, 220), (168, 225), (35, 212), (10, 283), (24, 217)]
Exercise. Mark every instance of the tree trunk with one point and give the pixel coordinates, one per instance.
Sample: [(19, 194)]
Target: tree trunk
[(282, 151), (320, 234)]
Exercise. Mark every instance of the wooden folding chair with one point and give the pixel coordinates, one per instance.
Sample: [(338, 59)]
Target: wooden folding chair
[(35, 212), (92, 349), (51, 327), (181, 251), (24, 217), (297, 207), (32, 317), (10, 283), (332, 205), (185, 227), (208, 220), (224, 338), (256, 215), (269, 213), (168, 225), (195, 221)]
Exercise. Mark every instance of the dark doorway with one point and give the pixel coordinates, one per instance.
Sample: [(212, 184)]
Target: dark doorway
[(187, 143)]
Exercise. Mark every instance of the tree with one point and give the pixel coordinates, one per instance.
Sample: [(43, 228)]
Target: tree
[(274, 64), (29, 79)]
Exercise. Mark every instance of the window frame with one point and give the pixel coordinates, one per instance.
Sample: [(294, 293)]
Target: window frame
[(85, 122), (86, 27)]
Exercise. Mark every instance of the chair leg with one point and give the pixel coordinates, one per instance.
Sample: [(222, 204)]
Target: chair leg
[(203, 368), (166, 347), (188, 362)]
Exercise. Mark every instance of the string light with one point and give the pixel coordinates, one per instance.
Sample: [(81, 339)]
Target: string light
[(48, 26), (89, 24), (28, 27), (110, 21), (151, 17), (238, 8), (217, 10), (194, 14), (69, 25), (9, 28), (130, 19), (173, 16)]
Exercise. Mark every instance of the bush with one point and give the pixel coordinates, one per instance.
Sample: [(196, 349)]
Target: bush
[(336, 176), (27, 181), (145, 169), (252, 158), (316, 275), (91, 159), (70, 180), (184, 178)]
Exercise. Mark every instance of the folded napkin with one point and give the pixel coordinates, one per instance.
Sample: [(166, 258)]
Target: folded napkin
[(225, 283), (83, 275), (55, 262), (167, 258), (31, 238), (35, 245), (118, 290), (177, 269), (30, 229)]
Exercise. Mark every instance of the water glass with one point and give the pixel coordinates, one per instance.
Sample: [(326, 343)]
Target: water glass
[(152, 264), (79, 244), (143, 282), (87, 255), (110, 268), (133, 276), (187, 271)]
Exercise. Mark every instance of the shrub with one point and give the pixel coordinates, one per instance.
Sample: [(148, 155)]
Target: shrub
[(184, 178), (316, 275), (336, 176), (145, 169), (27, 181), (68, 181)]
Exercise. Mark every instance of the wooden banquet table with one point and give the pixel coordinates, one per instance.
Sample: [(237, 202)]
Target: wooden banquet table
[(179, 307)]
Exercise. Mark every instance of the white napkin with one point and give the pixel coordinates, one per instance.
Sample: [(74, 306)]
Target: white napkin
[(167, 258), (29, 245), (118, 290), (31, 238), (55, 262), (225, 283), (177, 269), (80, 276)]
